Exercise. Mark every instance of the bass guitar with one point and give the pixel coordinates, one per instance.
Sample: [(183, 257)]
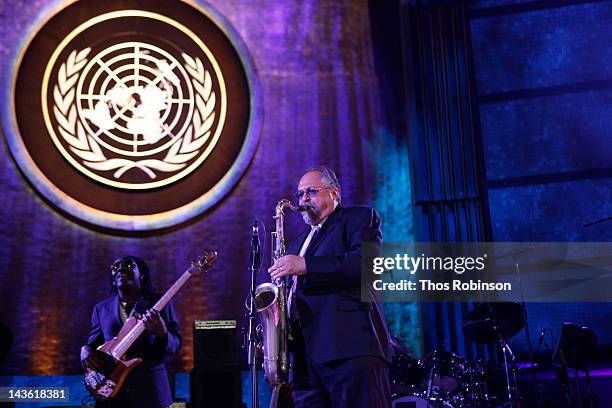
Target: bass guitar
[(106, 382)]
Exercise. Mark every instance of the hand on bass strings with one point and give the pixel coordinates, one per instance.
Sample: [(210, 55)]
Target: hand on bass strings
[(154, 323)]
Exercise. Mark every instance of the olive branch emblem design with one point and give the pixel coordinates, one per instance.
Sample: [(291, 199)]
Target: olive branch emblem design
[(85, 146)]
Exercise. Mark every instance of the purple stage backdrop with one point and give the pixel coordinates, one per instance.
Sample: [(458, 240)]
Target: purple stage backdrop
[(321, 104)]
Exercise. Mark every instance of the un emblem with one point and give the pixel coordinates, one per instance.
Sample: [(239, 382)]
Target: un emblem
[(149, 112), (119, 109)]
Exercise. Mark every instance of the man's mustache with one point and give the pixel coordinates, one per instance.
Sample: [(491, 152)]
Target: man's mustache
[(308, 207)]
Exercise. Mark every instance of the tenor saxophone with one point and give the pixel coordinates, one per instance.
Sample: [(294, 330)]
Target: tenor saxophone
[(271, 304)]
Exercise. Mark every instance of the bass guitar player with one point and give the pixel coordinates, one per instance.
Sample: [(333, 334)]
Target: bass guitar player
[(147, 383)]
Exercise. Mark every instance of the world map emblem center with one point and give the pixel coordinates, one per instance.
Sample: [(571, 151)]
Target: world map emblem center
[(132, 115)]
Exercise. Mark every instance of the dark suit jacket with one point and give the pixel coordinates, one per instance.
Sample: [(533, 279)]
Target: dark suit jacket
[(147, 385), (334, 322)]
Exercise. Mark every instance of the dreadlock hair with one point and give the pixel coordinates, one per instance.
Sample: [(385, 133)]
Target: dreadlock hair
[(145, 276)]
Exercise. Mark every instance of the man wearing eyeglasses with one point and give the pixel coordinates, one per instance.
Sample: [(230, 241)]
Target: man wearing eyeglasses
[(341, 347), (147, 385)]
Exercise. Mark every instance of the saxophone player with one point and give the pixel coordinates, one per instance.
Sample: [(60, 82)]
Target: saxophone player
[(340, 349)]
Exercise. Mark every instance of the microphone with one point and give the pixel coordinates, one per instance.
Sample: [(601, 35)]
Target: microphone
[(255, 247)]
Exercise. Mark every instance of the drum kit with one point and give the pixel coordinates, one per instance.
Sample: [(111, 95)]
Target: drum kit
[(445, 380)]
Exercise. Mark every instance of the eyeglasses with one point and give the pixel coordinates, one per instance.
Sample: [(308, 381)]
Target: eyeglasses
[(125, 263), (311, 191)]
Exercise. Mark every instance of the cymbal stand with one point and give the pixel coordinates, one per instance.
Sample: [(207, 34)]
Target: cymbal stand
[(527, 332), (578, 389), (592, 399), (429, 384), (567, 393), (432, 372), (590, 396), (509, 357)]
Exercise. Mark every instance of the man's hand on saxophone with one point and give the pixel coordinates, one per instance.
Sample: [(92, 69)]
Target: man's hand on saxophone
[(288, 265)]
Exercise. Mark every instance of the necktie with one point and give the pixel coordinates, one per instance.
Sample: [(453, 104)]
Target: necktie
[(313, 230), (291, 306)]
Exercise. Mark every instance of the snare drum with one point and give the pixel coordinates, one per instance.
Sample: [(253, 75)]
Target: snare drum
[(444, 370), (406, 372)]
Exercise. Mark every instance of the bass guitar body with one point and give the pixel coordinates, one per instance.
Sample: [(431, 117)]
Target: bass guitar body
[(105, 384)]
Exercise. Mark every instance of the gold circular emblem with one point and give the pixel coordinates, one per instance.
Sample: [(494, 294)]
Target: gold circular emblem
[(132, 115), (133, 107)]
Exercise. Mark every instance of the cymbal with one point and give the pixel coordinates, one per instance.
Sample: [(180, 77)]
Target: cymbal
[(487, 322)]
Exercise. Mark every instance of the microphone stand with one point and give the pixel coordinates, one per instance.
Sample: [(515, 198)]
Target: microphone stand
[(252, 335)]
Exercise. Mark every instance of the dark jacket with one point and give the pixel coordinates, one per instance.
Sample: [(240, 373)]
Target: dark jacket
[(334, 322), (147, 385)]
